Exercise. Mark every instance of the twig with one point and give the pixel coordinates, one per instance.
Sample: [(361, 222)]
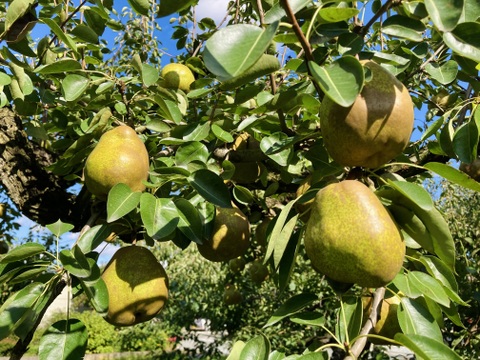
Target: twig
[(359, 345), (363, 30)]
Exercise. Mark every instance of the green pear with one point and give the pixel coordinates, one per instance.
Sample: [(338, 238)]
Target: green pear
[(177, 76), (387, 322), (230, 236), (231, 295), (376, 128), (236, 265), (137, 286), (351, 238), (119, 157), (258, 272)]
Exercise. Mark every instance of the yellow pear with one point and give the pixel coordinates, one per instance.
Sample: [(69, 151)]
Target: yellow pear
[(230, 236), (119, 157), (376, 128), (137, 286), (177, 76), (387, 322), (3, 209), (351, 238)]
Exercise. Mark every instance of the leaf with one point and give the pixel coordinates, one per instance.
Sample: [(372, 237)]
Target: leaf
[(341, 81), (141, 6), (85, 33), (76, 265), (159, 216), (121, 200), (282, 242), (15, 11), (192, 151), (64, 340), (290, 307), (221, 134), (414, 193), (277, 147), (93, 237), (257, 348), (349, 321), (426, 347), (277, 229), (454, 175), (168, 109), (464, 40), (17, 307), (232, 50), (416, 319), (97, 293), (74, 86), (243, 195), (337, 14), (57, 30), (445, 73), (22, 252), (277, 12), (430, 287), (168, 7), (59, 228), (236, 350), (403, 284), (465, 142), (310, 318), (267, 64), (190, 223), (150, 75), (288, 261), (211, 187), (404, 27), (445, 14)]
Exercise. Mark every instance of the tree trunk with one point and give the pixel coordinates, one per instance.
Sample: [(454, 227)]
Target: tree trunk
[(38, 194)]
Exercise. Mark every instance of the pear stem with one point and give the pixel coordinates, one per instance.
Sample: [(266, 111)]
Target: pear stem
[(361, 341)]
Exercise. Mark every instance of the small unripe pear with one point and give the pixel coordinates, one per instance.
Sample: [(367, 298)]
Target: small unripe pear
[(177, 76)]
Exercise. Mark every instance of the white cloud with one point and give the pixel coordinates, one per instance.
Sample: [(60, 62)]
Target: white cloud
[(215, 9)]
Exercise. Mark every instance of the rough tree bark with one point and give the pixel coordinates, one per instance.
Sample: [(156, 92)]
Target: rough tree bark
[(38, 194)]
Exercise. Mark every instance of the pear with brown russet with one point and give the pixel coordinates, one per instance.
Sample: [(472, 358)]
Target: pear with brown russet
[(351, 238), (376, 128), (119, 157), (137, 286)]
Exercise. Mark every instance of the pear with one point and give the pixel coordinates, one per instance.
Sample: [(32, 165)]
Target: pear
[(177, 76), (231, 295), (387, 323), (237, 265), (137, 286), (376, 128), (230, 236), (3, 247), (351, 238), (3, 210), (119, 157), (258, 272)]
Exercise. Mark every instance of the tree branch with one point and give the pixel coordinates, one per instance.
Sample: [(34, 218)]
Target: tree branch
[(29, 185), (363, 30), (359, 345)]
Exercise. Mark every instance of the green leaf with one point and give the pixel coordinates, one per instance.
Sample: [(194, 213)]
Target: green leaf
[(426, 347), (445, 14), (267, 64), (337, 14), (74, 263), (277, 12), (282, 241), (97, 293), (211, 187), (85, 33), (464, 40), (277, 230), (454, 175), (121, 200), (17, 307), (64, 340), (430, 287), (57, 30), (93, 237), (288, 261), (445, 73), (59, 228), (150, 75), (22, 252), (15, 11), (221, 134), (465, 142), (257, 348), (414, 193), (403, 284), (341, 81), (350, 316), (74, 86), (60, 66), (414, 318), (168, 109), (310, 318), (232, 50), (190, 223), (168, 7), (141, 6), (277, 147), (404, 27), (192, 151), (236, 350), (159, 216), (291, 306), (242, 194)]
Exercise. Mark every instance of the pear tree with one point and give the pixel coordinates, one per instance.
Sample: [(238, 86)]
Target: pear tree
[(254, 114)]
